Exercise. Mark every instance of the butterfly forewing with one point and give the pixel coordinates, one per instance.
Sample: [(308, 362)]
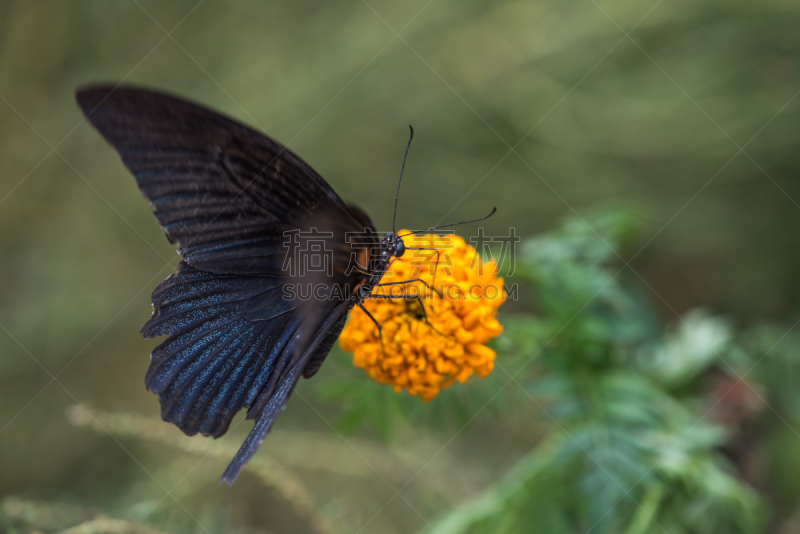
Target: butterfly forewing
[(213, 183)]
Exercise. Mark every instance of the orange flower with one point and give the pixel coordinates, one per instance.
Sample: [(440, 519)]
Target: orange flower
[(426, 357)]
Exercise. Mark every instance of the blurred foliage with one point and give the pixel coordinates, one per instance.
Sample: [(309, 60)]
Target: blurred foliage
[(18, 517), (596, 118), (628, 450)]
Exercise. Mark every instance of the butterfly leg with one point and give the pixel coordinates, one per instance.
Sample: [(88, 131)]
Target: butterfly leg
[(377, 324), (408, 297), (436, 265)]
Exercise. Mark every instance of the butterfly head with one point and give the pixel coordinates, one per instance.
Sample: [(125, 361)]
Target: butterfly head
[(392, 245)]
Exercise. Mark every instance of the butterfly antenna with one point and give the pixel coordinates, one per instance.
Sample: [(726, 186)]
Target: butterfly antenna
[(451, 224), (397, 195)]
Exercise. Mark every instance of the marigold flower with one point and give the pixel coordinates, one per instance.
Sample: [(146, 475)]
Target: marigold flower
[(426, 357)]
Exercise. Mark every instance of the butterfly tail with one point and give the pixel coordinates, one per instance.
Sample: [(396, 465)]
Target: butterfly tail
[(276, 399), (261, 428)]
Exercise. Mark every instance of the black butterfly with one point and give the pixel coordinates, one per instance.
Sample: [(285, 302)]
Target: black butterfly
[(229, 197)]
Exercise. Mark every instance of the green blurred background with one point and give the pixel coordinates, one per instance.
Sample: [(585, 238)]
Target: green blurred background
[(683, 111)]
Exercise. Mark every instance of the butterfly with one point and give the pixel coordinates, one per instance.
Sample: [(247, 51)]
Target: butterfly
[(235, 202)]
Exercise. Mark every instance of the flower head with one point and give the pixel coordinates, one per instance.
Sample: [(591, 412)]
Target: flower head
[(460, 295)]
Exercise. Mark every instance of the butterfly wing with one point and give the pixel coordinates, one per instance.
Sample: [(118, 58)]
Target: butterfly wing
[(223, 192), (227, 335), (228, 196)]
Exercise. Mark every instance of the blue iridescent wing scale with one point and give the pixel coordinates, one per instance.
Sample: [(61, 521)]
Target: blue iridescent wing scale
[(221, 350)]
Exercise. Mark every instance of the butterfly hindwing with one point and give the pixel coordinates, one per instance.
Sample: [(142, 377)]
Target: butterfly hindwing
[(216, 359)]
